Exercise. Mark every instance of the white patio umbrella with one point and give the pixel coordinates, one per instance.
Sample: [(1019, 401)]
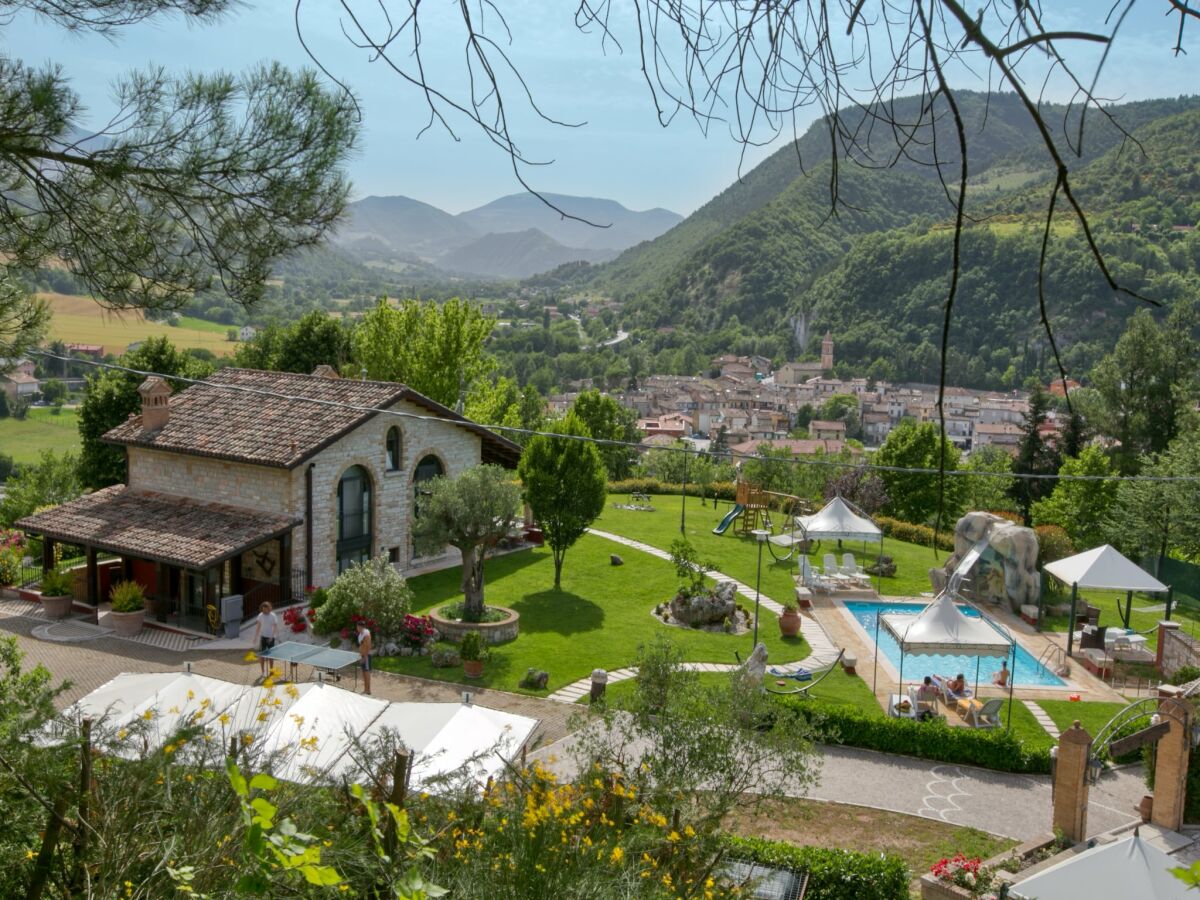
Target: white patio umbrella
[(1126, 868), (1102, 568), (941, 628)]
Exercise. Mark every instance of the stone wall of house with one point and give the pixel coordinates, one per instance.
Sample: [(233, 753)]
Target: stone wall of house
[(392, 492), (1177, 650), (213, 480)]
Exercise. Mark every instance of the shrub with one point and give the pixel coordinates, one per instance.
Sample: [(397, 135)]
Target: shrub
[(372, 590), (11, 556), (59, 584), (721, 490), (832, 874), (472, 648), (317, 598), (916, 534), (1185, 674), (294, 619), (999, 749), (416, 631), (127, 596), (1053, 543)]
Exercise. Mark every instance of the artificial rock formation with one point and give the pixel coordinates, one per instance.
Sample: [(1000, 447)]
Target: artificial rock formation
[(1006, 571), (706, 608)]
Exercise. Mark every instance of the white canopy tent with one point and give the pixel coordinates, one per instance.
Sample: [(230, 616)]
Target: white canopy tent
[(1102, 568), (942, 629), (837, 521), (1126, 868), (305, 733)]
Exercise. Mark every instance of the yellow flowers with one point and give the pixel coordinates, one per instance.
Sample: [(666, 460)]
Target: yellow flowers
[(223, 718), (148, 715), (299, 720), (262, 715), (168, 749), (309, 743), (616, 856), (250, 657), (292, 691), (191, 695), (673, 837), (122, 734)]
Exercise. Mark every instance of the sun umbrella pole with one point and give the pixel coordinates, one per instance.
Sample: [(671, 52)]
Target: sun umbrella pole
[(978, 660), (875, 673), (1128, 607), (1071, 624)]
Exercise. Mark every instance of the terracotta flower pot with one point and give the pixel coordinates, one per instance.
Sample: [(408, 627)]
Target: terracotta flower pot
[(57, 607), (1146, 807), (473, 668), (789, 623), (127, 624)]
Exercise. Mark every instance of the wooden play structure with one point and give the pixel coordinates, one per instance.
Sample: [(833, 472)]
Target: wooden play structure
[(756, 508), (753, 507)]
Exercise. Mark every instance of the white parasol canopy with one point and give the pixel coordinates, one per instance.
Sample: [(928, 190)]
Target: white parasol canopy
[(837, 521), (942, 628), (1104, 568), (1126, 868), (304, 733)]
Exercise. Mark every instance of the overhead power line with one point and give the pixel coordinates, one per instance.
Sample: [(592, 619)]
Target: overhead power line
[(609, 442)]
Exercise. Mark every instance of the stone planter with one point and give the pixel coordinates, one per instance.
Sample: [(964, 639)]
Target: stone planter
[(127, 624), (473, 668), (492, 632), (57, 607), (789, 623)]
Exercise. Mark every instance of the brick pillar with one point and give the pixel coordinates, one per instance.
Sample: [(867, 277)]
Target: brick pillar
[(1173, 755), (1071, 784), (1163, 627)]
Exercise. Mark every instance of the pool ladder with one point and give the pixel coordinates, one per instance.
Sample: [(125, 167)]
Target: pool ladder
[(1053, 658)]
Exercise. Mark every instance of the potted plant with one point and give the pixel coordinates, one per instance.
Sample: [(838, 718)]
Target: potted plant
[(56, 594), (128, 607), (789, 621), (473, 652)]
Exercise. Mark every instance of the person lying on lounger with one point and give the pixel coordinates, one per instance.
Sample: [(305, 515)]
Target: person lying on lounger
[(927, 692), (955, 685)]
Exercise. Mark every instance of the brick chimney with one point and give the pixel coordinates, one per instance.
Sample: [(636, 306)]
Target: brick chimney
[(324, 371), (156, 403)]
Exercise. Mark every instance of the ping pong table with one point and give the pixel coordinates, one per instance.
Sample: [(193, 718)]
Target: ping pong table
[(324, 659)]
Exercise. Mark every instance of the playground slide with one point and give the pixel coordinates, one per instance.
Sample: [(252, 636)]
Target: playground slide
[(724, 524)]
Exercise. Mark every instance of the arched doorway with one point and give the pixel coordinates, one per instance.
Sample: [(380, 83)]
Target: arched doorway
[(354, 537), (428, 468)]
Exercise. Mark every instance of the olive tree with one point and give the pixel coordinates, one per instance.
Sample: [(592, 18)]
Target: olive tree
[(472, 512), (565, 486)]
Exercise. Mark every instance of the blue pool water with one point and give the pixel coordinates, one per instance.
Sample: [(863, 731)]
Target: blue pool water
[(1026, 672)]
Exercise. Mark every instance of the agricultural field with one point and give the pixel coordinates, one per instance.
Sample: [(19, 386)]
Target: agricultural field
[(80, 319), (41, 430)]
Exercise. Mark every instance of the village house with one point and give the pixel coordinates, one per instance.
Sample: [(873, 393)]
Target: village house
[(261, 484), (1002, 434), (674, 426), (827, 430), (18, 381), (247, 333)]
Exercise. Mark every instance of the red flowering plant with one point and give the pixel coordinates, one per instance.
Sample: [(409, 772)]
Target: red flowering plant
[(294, 619), (416, 631), (963, 871)]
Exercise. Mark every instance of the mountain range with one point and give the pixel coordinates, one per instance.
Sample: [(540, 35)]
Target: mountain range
[(513, 237)]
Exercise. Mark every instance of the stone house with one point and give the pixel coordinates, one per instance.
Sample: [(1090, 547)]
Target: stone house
[(262, 483)]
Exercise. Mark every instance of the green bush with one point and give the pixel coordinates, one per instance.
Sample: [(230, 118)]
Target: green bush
[(56, 583), (10, 565), (126, 596), (318, 597), (374, 590), (472, 648), (997, 749), (1053, 543), (916, 534), (722, 490), (1186, 674), (832, 874)]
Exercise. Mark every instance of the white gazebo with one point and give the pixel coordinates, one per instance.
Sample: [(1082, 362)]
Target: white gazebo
[(1102, 568), (836, 520), (1123, 869), (941, 628), (304, 733)]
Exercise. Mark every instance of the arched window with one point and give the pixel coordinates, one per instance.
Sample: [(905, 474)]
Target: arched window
[(428, 468), (354, 537), (394, 459)]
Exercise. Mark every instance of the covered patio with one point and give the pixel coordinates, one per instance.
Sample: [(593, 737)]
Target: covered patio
[(185, 554)]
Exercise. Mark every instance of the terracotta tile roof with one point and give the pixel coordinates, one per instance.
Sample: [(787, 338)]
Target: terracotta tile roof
[(222, 419), (160, 527)]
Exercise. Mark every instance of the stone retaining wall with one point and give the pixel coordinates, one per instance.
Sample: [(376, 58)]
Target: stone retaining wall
[(1177, 650), (492, 632)]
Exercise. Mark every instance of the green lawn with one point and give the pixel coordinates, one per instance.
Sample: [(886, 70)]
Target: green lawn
[(25, 440), (598, 619), (1091, 715), (204, 325), (737, 555), (1025, 726)]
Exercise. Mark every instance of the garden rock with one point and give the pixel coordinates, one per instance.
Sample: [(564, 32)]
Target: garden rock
[(616, 560), (1007, 571), (706, 608), (406, 651), (755, 668), (885, 566), (391, 649), (535, 679), (445, 659)]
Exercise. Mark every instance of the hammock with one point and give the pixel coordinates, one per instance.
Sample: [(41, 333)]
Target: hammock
[(812, 682)]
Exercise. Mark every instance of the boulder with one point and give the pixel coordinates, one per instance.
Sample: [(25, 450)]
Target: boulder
[(706, 608), (616, 560), (754, 670), (1006, 572), (391, 649), (445, 659), (535, 679)]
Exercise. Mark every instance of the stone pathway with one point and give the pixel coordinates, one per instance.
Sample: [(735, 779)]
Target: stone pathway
[(1042, 718), (824, 650), (76, 628)]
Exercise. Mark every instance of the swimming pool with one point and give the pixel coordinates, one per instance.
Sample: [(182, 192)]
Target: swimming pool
[(1026, 672)]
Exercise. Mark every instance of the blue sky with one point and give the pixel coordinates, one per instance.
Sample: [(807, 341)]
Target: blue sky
[(621, 152)]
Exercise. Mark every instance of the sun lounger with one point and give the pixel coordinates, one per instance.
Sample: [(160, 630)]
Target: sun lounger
[(921, 706), (984, 715), (949, 697)]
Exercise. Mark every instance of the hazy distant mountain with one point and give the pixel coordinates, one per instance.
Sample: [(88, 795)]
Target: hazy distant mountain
[(516, 254), (403, 225), (391, 229), (519, 212)]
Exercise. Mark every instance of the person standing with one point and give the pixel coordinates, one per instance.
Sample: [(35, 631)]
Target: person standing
[(364, 653), (265, 633)]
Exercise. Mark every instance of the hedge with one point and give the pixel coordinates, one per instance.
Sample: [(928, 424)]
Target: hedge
[(832, 874), (997, 749), (722, 490), (916, 534)]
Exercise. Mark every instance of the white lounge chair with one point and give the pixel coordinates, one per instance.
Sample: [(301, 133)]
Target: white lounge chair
[(852, 570), (832, 570), (985, 716)]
